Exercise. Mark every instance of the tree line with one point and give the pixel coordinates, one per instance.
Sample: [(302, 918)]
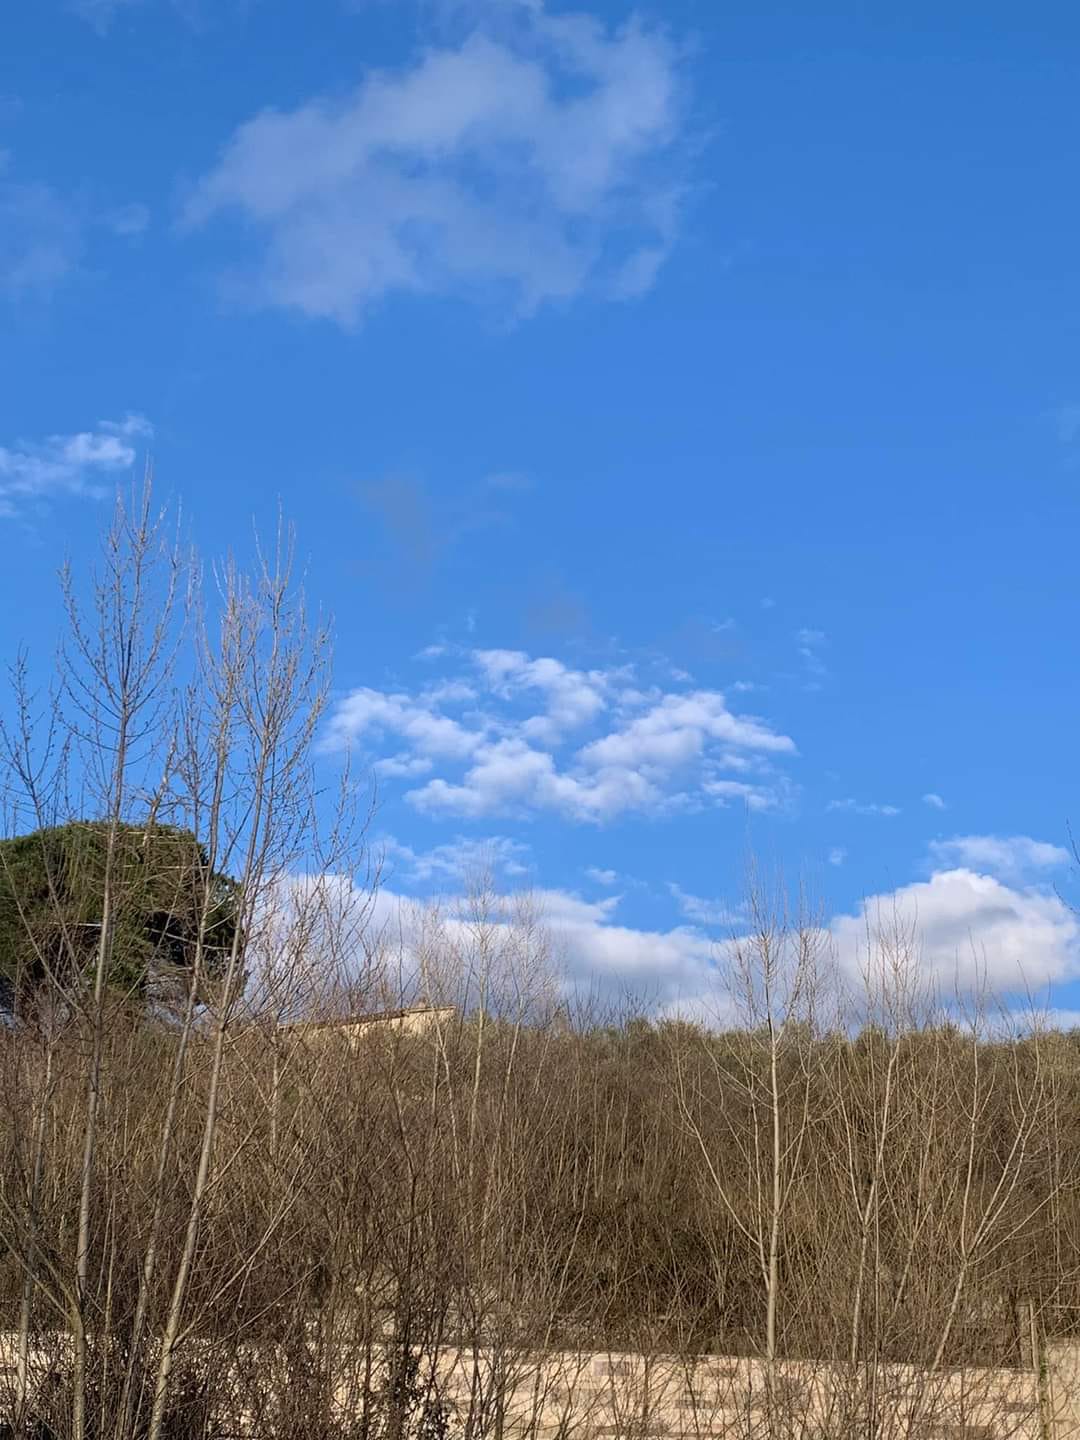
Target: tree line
[(209, 1207)]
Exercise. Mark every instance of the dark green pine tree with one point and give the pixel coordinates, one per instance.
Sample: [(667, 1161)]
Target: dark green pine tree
[(52, 885)]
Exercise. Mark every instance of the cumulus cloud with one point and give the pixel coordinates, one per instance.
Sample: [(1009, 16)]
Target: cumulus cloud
[(967, 930), (78, 464), (433, 735), (677, 729), (534, 158), (971, 927), (666, 970), (512, 776), (524, 734), (1011, 857), (591, 954), (571, 697)]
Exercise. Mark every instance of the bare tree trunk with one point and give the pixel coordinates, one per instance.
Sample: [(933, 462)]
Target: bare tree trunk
[(124, 662), (30, 1274), (279, 697)]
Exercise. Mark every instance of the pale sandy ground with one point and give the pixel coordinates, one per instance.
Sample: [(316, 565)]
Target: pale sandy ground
[(567, 1395)]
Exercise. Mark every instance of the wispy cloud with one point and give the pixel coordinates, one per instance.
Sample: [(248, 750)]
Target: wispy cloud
[(774, 795), (1012, 857), (863, 807), (934, 801), (78, 464), (102, 14), (460, 860), (707, 912), (519, 734), (837, 855), (127, 221), (41, 238), (810, 645), (531, 161), (606, 878), (44, 233)]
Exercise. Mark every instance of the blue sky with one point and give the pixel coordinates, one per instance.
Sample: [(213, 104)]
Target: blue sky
[(679, 408)]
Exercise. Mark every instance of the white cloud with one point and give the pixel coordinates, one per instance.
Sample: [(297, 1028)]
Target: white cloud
[(403, 766), (773, 796), (1053, 1019), (967, 929), (810, 643), (666, 968), (460, 859), (934, 801), (859, 807), (572, 697), (1011, 857), (677, 730), (433, 735), (76, 464), (837, 855), (700, 910), (498, 743), (534, 159), (593, 956), (602, 877), (511, 776), (971, 927)]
